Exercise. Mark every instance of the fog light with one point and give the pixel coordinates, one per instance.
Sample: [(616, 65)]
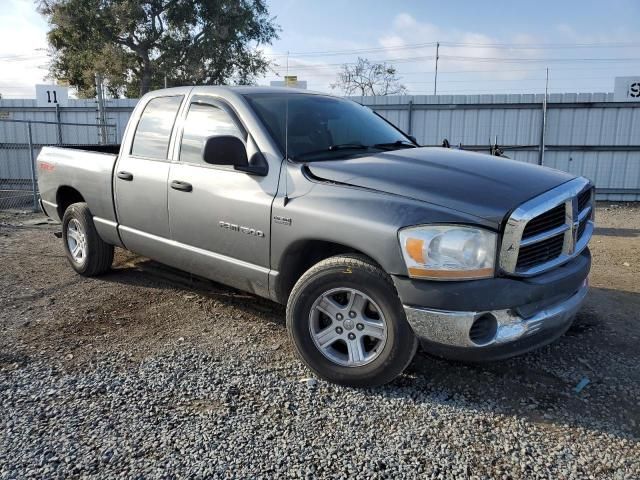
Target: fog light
[(483, 330)]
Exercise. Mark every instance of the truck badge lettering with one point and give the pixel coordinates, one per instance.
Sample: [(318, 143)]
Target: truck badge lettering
[(46, 166), (241, 229), (282, 220)]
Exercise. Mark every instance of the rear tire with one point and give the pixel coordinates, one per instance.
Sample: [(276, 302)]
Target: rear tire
[(348, 324), (87, 253)]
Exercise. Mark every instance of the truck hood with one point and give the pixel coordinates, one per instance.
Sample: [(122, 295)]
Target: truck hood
[(482, 185)]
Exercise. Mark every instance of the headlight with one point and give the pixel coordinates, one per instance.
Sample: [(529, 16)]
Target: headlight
[(448, 252)]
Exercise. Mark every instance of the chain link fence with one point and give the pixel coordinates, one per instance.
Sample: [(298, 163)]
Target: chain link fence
[(20, 144)]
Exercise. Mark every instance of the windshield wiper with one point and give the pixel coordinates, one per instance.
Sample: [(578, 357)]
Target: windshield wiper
[(335, 148), (396, 144), (348, 146)]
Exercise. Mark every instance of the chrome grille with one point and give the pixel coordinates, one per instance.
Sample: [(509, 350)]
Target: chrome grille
[(548, 230), (582, 227), (547, 221), (540, 252), (584, 199)]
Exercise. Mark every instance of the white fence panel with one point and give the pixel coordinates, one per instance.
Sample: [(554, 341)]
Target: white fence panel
[(586, 134)]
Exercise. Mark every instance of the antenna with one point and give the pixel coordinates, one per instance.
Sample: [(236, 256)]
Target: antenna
[(286, 150)]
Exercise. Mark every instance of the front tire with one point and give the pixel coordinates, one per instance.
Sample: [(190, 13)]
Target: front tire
[(87, 253), (347, 323)]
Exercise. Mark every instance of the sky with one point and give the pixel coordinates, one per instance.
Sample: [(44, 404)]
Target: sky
[(486, 47)]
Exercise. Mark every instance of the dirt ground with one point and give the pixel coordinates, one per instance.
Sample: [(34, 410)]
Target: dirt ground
[(143, 308)]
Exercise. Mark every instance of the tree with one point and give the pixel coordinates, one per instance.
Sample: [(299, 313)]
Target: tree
[(137, 44), (367, 78)]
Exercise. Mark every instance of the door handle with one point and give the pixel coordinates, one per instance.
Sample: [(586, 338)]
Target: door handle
[(125, 176), (182, 186)]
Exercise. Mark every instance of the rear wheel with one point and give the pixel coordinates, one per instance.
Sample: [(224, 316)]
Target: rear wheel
[(87, 253), (347, 323)]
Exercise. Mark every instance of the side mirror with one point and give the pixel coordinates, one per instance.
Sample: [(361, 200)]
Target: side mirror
[(413, 139), (230, 150), (225, 150)]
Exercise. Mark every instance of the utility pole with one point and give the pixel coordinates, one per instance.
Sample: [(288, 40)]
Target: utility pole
[(287, 74), (546, 87), (435, 80)]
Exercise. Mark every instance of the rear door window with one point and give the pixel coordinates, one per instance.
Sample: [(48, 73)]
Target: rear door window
[(153, 133)]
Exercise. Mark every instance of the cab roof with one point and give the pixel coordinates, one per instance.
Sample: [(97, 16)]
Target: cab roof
[(239, 90)]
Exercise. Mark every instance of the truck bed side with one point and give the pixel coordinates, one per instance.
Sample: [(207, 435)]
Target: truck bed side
[(67, 175)]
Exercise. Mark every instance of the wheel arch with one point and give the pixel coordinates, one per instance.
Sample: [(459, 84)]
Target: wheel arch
[(300, 256), (65, 196)]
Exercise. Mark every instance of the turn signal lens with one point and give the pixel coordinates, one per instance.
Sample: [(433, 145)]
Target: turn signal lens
[(415, 249)]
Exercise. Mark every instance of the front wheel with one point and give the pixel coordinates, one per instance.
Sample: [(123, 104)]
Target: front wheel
[(347, 323), (87, 253)]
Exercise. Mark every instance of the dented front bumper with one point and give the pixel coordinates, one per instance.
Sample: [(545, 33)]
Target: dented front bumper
[(450, 333), (502, 318)]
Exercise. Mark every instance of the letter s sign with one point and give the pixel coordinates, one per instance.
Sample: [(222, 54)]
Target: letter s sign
[(627, 89)]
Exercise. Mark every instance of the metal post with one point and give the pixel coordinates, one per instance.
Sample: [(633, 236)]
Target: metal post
[(543, 128), (59, 126), (32, 159), (101, 113), (435, 79), (410, 119)]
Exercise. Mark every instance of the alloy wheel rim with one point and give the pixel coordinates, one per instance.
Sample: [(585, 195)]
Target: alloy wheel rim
[(347, 327), (76, 241)]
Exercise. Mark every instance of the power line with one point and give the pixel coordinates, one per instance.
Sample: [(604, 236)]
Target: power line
[(327, 65), (503, 70), (17, 60), (354, 51), (542, 46), (573, 79), (471, 60), (531, 60), (522, 46), (494, 90), (474, 71), (20, 55)]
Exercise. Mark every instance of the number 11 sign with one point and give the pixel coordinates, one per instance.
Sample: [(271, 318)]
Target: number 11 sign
[(52, 95)]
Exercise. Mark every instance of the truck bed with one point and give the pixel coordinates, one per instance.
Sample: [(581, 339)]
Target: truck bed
[(112, 148), (86, 170)]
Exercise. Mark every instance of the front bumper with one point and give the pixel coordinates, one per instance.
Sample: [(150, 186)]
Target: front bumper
[(448, 333), (502, 322)]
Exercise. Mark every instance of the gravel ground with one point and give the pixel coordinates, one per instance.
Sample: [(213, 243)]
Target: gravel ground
[(147, 372)]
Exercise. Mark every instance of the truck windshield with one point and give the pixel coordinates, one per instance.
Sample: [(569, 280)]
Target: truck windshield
[(322, 127)]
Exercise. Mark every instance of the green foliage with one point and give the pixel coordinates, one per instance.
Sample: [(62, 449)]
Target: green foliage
[(136, 44)]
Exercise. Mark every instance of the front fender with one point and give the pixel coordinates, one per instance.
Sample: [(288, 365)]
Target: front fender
[(363, 220)]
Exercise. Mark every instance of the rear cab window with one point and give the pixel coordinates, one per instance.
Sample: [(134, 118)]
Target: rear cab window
[(153, 133)]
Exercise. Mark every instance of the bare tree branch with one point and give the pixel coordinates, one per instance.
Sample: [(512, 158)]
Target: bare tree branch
[(366, 78)]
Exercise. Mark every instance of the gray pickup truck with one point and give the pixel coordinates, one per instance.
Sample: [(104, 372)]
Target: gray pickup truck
[(373, 243)]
